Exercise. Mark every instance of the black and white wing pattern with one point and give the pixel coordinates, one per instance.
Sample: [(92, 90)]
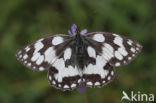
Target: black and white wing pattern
[(116, 49), (75, 59), (41, 54), (108, 51), (53, 54)]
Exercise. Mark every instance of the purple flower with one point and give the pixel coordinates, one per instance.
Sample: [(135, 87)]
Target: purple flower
[(81, 88), (74, 29), (84, 31)]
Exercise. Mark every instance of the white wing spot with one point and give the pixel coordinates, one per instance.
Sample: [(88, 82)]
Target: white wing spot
[(138, 45), (66, 86), (99, 38), (129, 42), (59, 85), (124, 62), (104, 81), (20, 56), (35, 56), (112, 73), (40, 60), (129, 58), (25, 62), (133, 55), (118, 55), (57, 40), (109, 47), (133, 50), (97, 83), (67, 53), (119, 41), (106, 53), (54, 82), (38, 45), (91, 52), (19, 52), (73, 85), (79, 81), (29, 64), (109, 78), (115, 34), (122, 51), (137, 48), (41, 68), (117, 64), (27, 49), (89, 83), (50, 78), (49, 55)]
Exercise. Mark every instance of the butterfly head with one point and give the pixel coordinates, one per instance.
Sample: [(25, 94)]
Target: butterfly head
[(75, 30)]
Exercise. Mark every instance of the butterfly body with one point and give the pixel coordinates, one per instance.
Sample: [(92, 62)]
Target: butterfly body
[(75, 59)]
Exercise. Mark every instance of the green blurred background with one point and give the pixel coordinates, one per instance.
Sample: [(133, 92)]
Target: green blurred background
[(24, 21)]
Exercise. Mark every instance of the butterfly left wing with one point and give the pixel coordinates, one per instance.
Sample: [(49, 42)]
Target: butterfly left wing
[(55, 54), (42, 53), (64, 73)]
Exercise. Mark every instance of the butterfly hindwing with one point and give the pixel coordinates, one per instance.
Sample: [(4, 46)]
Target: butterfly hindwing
[(41, 54), (117, 50), (97, 71), (99, 74), (64, 73), (64, 78)]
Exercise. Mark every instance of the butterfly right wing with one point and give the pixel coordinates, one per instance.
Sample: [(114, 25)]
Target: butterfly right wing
[(106, 50), (116, 49), (41, 54)]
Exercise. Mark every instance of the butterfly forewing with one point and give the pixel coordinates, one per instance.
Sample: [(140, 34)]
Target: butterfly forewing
[(41, 54), (117, 50)]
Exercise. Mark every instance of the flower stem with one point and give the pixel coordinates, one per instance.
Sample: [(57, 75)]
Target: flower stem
[(86, 96)]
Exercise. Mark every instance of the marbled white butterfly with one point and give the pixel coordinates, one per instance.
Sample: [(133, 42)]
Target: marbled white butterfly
[(76, 58)]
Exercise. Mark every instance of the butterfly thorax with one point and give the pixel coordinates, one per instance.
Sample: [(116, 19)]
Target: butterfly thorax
[(79, 48)]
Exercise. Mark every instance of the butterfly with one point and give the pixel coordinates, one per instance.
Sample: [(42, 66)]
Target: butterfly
[(79, 57)]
